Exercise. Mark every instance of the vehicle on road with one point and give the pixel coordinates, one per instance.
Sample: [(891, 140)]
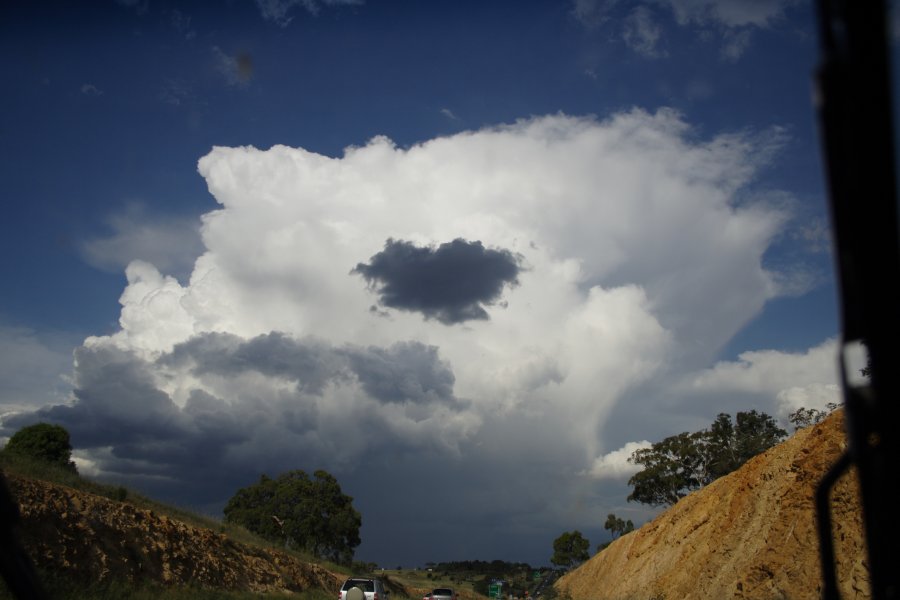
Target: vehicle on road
[(363, 588), (443, 594)]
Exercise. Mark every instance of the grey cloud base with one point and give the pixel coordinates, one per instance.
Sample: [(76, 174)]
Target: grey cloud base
[(272, 402)]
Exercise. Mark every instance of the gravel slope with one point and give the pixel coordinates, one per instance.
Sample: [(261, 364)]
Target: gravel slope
[(92, 538)]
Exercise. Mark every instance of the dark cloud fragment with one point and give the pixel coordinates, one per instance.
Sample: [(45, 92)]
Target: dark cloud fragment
[(311, 363), (403, 372), (451, 283)]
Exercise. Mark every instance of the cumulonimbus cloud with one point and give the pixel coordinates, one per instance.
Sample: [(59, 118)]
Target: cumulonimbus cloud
[(626, 250), (635, 234)]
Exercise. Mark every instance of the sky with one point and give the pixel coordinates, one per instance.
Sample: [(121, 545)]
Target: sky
[(465, 256)]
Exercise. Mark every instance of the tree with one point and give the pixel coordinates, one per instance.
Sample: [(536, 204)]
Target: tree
[(682, 463), (569, 549), (730, 446), (44, 442), (754, 433), (617, 526), (804, 417), (293, 509), (672, 468)]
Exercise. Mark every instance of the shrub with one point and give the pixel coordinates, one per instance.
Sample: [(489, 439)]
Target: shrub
[(44, 442)]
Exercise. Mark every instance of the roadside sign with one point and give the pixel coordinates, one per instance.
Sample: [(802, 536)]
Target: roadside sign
[(537, 575), (494, 590)]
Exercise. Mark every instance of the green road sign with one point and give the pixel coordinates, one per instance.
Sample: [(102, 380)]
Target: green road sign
[(494, 590), (537, 575)]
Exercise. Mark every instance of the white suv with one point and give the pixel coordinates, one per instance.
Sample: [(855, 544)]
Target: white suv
[(360, 588)]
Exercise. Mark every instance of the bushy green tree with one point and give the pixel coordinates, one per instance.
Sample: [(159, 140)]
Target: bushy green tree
[(754, 433), (299, 511), (672, 468), (682, 463), (569, 549), (44, 442), (728, 446)]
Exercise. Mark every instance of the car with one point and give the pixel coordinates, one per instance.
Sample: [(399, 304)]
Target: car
[(443, 594), (363, 588), (427, 596)]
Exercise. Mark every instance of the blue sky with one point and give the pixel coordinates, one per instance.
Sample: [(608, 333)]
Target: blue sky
[(460, 254)]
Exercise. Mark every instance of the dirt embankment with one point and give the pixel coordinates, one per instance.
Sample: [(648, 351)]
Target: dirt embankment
[(751, 534), (91, 538)]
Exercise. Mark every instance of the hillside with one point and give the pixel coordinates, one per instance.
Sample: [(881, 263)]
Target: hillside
[(750, 534), (90, 538)]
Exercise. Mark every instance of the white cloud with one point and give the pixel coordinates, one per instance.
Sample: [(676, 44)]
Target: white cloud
[(638, 253), (784, 381), (615, 465), (617, 269), (772, 370), (813, 395), (572, 196), (153, 311)]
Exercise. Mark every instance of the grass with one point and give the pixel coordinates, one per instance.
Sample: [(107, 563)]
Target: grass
[(419, 578)]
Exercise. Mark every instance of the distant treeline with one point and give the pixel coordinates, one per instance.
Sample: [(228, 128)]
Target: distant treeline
[(480, 566), (517, 577)]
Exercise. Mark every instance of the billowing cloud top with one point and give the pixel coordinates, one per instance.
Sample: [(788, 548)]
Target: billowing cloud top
[(625, 251)]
